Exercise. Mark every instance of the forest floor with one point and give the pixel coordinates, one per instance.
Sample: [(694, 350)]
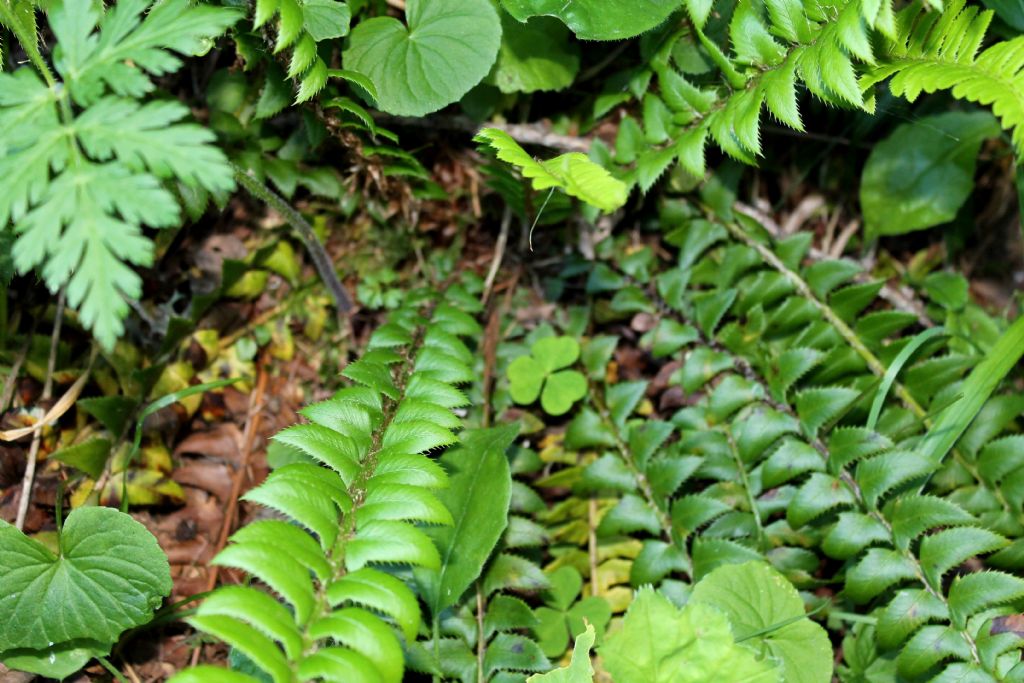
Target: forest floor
[(274, 331)]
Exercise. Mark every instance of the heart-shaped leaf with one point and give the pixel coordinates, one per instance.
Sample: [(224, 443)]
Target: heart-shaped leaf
[(562, 390), (109, 576), (555, 353), (597, 19), (526, 376), (448, 47)]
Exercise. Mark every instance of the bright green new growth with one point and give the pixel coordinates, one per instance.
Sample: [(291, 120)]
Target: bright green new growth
[(766, 613), (85, 160), (541, 374), (660, 643), (573, 173), (302, 25), (579, 669), (61, 610)]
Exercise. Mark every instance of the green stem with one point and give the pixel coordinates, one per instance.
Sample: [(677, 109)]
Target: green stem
[(762, 541), (321, 260), (113, 671), (664, 521)]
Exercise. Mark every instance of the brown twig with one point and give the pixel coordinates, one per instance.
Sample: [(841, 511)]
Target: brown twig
[(8, 392), (492, 336), (252, 425), (592, 543), (525, 133), (33, 451), (499, 254)]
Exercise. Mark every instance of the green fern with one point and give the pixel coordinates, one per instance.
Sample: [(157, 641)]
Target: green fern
[(85, 160), (782, 362), (352, 516), (302, 24), (933, 52)]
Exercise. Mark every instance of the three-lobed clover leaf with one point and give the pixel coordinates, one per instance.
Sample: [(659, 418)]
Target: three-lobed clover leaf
[(59, 610), (542, 374), (563, 616)]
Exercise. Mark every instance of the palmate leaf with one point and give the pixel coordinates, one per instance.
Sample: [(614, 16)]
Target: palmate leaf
[(764, 609), (82, 189), (573, 173), (659, 643), (149, 136)]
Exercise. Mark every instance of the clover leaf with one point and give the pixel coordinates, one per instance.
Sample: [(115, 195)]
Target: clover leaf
[(541, 374), (563, 616)]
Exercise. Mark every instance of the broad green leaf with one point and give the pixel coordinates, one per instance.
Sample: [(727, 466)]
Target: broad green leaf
[(597, 19), (579, 669), (536, 56), (659, 643), (89, 456), (447, 48), (325, 19), (109, 576), (478, 499), (573, 173), (59, 661), (764, 609), (921, 174)]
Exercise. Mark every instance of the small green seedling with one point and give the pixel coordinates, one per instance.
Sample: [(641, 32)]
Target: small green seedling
[(541, 374)]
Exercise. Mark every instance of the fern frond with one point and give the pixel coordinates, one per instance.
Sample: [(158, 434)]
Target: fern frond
[(350, 518), (934, 52)]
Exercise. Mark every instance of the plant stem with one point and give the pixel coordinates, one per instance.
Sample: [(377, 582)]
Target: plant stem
[(113, 670), (321, 260), (481, 645), (33, 451)]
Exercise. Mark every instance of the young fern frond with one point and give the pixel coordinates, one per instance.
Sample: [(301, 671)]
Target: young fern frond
[(833, 51), (353, 515), (301, 25), (933, 52)]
